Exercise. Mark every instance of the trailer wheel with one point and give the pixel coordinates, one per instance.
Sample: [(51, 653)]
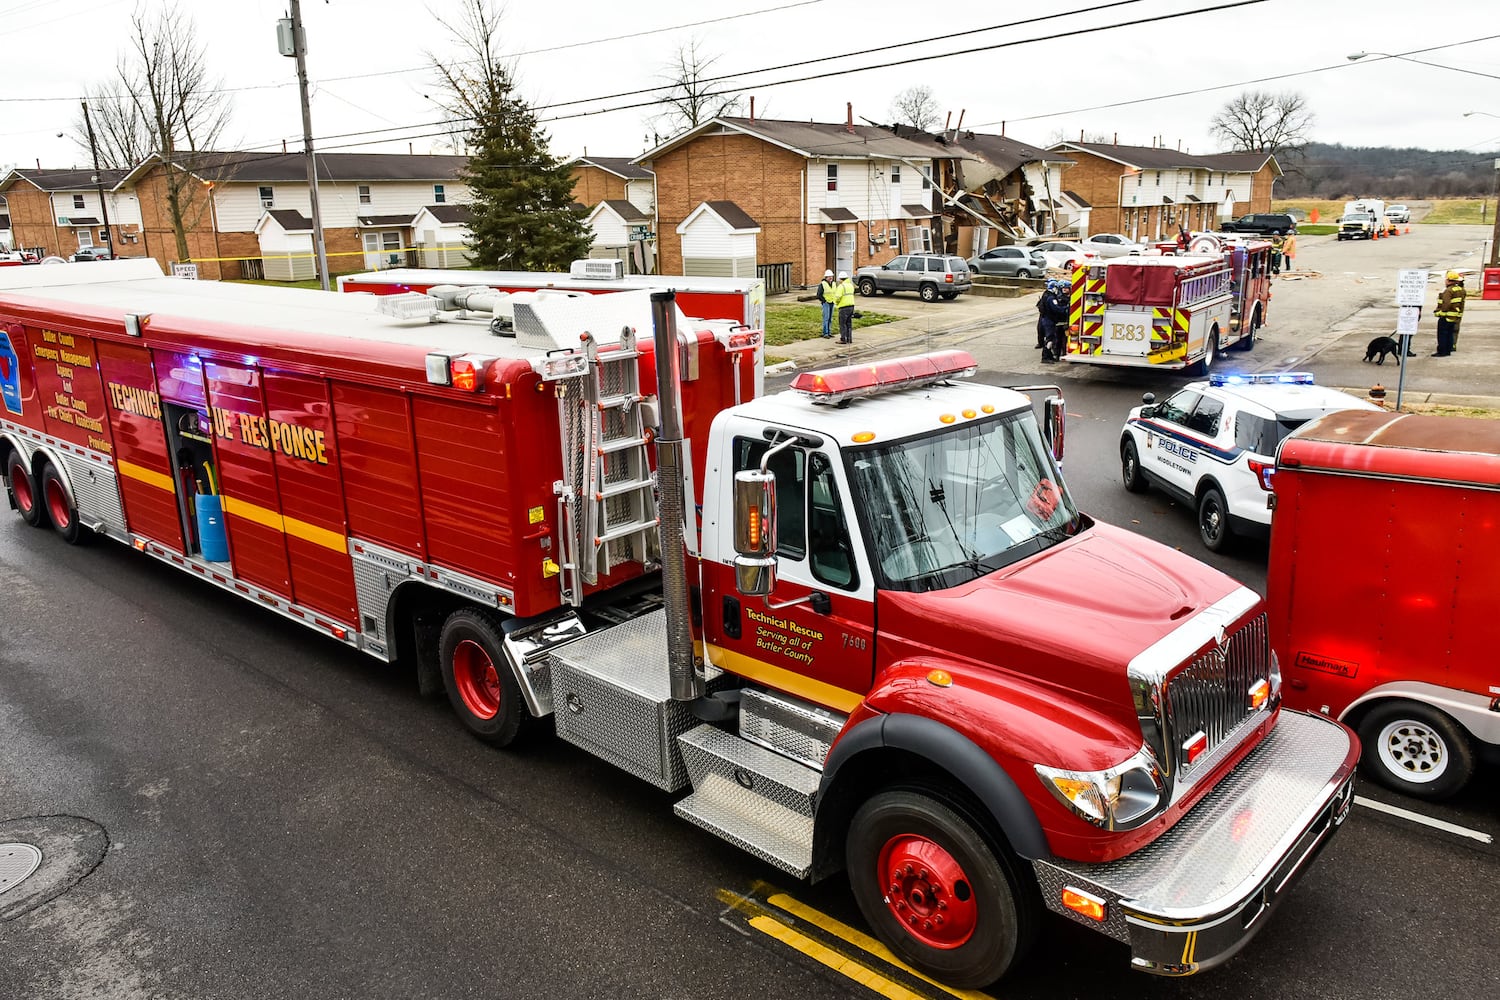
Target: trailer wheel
[(1416, 749), (1213, 520), (60, 506), (1130, 468), (477, 676), (24, 489), (936, 892)]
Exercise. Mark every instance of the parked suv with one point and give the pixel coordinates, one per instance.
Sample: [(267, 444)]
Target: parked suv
[(930, 275), (1212, 445), (1264, 223), (1397, 213), (1357, 226)]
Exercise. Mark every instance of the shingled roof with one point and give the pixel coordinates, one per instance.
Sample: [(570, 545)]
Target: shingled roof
[(63, 180), (264, 168), (620, 166)]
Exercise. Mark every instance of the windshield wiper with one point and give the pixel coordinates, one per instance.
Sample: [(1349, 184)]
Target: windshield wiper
[(939, 496)]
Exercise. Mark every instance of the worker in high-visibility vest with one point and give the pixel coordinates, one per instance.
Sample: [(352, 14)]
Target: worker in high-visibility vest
[(828, 295), (846, 308), (1450, 312)]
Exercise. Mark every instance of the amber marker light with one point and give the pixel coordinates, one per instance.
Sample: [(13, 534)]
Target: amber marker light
[(863, 437), (940, 678), (947, 418), (1260, 692), (1083, 904), (970, 414), (987, 408)]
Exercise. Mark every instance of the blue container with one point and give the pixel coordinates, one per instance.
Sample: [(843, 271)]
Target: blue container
[(212, 541)]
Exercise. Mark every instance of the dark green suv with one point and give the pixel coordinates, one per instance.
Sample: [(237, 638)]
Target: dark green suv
[(1263, 224)]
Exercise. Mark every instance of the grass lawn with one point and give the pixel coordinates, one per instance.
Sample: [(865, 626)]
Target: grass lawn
[(1316, 229), (1328, 211), (307, 283), (1462, 211), (787, 324)]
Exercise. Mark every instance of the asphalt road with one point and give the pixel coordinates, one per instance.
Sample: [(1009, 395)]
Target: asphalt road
[(287, 818)]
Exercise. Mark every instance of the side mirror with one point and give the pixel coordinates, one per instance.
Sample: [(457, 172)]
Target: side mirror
[(755, 532), (1147, 398), (1054, 424)]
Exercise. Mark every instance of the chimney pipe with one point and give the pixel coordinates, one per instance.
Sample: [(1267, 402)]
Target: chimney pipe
[(1179, 145), (410, 149), (283, 145), (960, 126), (752, 107), (1080, 135), (670, 469), (39, 163), (849, 121), (1117, 138), (1002, 130)]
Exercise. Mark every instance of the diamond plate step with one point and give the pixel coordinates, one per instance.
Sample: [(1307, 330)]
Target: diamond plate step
[(789, 726), (753, 798)]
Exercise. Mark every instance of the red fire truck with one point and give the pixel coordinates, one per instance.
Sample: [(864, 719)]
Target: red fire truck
[(860, 624), (1170, 311), (1404, 512)]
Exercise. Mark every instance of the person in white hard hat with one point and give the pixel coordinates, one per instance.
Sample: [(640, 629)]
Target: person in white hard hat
[(828, 293), (846, 308)]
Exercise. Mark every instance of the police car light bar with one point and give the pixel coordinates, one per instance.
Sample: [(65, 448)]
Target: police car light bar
[(839, 385), (1264, 378)]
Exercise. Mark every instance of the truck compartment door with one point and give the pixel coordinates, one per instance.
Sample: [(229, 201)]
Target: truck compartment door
[(1127, 331), (142, 461)]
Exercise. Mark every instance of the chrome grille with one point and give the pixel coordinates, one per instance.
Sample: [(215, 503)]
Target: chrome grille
[(1211, 695)]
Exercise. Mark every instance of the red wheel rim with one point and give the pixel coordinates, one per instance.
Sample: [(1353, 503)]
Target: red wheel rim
[(927, 891), (58, 506), (20, 484), (477, 680)]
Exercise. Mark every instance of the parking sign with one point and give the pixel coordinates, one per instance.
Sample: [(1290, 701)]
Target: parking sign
[(1411, 286)]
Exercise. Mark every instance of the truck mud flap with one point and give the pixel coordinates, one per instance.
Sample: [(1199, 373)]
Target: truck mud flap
[(1192, 898)]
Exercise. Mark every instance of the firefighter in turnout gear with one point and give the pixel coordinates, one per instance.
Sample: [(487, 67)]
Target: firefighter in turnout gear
[(1450, 312)]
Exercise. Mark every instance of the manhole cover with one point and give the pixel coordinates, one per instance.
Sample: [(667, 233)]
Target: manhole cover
[(17, 863)]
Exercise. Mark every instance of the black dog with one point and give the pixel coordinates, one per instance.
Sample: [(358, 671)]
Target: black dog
[(1383, 346)]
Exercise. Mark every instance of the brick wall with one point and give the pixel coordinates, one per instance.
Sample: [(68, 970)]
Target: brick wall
[(1097, 181), (762, 179), (592, 185), (31, 220), (157, 236), (1260, 189)]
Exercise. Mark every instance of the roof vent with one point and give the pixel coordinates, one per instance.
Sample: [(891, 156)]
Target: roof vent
[(601, 269)]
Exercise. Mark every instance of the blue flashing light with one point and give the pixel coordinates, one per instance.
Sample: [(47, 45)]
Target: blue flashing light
[(1262, 378)]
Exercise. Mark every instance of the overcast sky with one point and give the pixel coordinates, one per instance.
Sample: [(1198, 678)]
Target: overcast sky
[(368, 65)]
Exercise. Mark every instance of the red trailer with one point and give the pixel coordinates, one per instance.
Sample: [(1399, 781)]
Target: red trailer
[(859, 625), (1384, 588)]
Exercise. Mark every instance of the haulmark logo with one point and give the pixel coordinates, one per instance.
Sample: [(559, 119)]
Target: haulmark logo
[(1326, 664)]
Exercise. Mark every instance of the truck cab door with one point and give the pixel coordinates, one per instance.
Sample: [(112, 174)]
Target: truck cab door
[(826, 657)]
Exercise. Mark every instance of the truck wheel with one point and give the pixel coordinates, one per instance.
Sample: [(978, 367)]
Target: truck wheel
[(1248, 340), (936, 892), (60, 507), (1210, 351), (477, 675), (928, 291), (1213, 520), (1130, 468), (1416, 749), (867, 286), (23, 487)]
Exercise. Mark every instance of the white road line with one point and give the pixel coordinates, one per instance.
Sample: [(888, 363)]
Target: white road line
[(1437, 824)]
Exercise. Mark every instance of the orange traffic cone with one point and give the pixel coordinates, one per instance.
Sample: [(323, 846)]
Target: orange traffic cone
[(1408, 230)]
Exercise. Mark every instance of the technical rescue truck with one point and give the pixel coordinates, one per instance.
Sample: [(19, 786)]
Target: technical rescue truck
[(860, 623), (1403, 512), (1170, 311)]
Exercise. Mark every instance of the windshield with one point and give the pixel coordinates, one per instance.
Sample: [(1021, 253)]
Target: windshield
[(945, 508)]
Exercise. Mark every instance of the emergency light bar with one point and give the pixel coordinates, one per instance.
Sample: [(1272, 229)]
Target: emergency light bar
[(461, 371), (1264, 378), (742, 340), (560, 365), (407, 305), (839, 385)]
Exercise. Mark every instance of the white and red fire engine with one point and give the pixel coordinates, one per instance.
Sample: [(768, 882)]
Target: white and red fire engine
[(1170, 311), (860, 625)]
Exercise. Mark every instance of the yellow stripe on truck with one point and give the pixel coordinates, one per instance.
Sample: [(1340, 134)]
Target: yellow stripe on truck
[(287, 525), (150, 477), (782, 679)]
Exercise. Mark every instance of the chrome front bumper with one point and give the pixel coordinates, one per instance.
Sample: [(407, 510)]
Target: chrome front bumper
[(1196, 895)]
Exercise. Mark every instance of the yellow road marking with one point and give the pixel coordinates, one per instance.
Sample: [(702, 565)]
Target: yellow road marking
[(867, 978), (862, 941)]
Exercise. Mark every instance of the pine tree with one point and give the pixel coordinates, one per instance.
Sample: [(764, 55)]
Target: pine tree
[(521, 196)]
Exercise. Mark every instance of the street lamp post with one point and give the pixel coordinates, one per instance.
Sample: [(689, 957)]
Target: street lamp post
[(1495, 234)]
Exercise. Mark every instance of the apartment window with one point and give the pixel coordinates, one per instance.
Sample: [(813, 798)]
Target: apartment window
[(104, 236), (1140, 178), (364, 194), (893, 235), (439, 196), (926, 240), (85, 239), (1158, 178), (833, 176), (78, 201), (895, 175), (267, 196)]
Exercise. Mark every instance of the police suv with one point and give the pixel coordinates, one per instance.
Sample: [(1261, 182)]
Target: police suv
[(1212, 444)]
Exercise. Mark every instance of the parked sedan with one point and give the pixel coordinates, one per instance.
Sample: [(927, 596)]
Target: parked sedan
[(1009, 262), (1065, 253), (1398, 213), (93, 253), (1112, 245)]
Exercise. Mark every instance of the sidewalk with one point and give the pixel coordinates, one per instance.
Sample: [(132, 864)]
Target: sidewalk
[(1468, 378)]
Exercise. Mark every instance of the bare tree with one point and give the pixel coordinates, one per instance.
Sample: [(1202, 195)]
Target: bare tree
[(162, 100), (1259, 121), (693, 96), (122, 132), (477, 81), (915, 106)]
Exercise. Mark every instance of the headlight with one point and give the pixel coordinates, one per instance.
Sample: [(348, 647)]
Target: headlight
[(1120, 798)]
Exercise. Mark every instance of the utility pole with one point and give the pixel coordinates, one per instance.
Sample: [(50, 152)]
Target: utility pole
[(1495, 235), (109, 237), (298, 46)]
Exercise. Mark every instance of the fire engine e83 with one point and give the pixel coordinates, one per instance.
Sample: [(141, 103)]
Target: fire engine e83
[(1170, 311), (860, 624)]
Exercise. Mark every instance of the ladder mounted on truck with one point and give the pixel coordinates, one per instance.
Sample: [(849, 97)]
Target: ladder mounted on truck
[(607, 496)]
